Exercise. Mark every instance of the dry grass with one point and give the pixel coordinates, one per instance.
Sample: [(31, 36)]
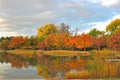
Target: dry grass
[(53, 52), (61, 53), (64, 53), (1, 50), (21, 52)]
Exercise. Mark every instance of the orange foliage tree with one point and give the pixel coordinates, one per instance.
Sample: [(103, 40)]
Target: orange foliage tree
[(99, 42), (18, 42), (71, 42), (114, 42), (83, 41), (60, 40)]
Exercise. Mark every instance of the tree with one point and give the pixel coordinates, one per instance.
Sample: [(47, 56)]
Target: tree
[(4, 45), (41, 45), (113, 27), (49, 41), (99, 42), (95, 33), (114, 42), (18, 42), (60, 40), (83, 41), (63, 28), (47, 29), (32, 42), (71, 42)]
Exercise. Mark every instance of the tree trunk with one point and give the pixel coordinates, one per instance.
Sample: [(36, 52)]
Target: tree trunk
[(84, 49), (98, 52), (115, 53), (4, 50)]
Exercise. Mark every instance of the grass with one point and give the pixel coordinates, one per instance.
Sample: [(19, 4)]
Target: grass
[(105, 52), (1, 50), (21, 52), (53, 52), (61, 53)]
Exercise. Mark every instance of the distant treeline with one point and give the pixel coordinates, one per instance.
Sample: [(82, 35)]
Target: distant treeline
[(54, 37)]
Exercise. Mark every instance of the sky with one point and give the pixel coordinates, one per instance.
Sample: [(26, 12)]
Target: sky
[(23, 17)]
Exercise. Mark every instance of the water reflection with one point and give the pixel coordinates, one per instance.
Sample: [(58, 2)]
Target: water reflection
[(47, 66)]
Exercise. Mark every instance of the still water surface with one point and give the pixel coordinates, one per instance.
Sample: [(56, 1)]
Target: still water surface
[(34, 66)]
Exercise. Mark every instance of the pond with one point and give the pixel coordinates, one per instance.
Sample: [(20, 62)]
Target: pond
[(36, 67), (55, 67)]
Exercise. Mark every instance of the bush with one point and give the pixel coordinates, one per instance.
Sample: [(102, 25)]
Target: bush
[(78, 75)]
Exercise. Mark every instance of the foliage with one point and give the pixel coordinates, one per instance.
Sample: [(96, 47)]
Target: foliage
[(114, 41), (18, 42), (76, 64), (32, 42), (99, 42), (113, 27), (78, 75), (4, 44), (83, 41), (95, 33), (47, 29)]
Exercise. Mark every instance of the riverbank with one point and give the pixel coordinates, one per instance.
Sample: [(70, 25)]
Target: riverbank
[(53, 52)]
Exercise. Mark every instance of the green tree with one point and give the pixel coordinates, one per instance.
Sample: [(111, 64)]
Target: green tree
[(32, 42), (95, 33), (4, 45), (113, 27)]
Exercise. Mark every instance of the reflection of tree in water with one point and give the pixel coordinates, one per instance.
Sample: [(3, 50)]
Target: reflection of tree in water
[(48, 66), (51, 67), (17, 60)]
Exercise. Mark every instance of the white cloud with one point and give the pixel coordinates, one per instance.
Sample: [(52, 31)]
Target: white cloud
[(73, 4), (108, 3), (12, 33), (2, 20), (101, 25), (47, 14)]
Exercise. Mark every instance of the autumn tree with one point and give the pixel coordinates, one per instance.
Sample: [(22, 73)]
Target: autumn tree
[(71, 42), (60, 40), (83, 41), (99, 42), (41, 45), (113, 27), (49, 41), (45, 30), (114, 42), (18, 42)]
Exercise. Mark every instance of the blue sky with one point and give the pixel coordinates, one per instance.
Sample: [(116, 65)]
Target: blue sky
[(23, 17)]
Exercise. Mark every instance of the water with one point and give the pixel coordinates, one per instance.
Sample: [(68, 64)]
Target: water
[(16, 67), (33, 66), (8, 72), (53, 67)]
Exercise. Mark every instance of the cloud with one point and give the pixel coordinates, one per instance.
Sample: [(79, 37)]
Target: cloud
[(5, 34), (25, 16), (101, 25), (108, 3), (2, 20)]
